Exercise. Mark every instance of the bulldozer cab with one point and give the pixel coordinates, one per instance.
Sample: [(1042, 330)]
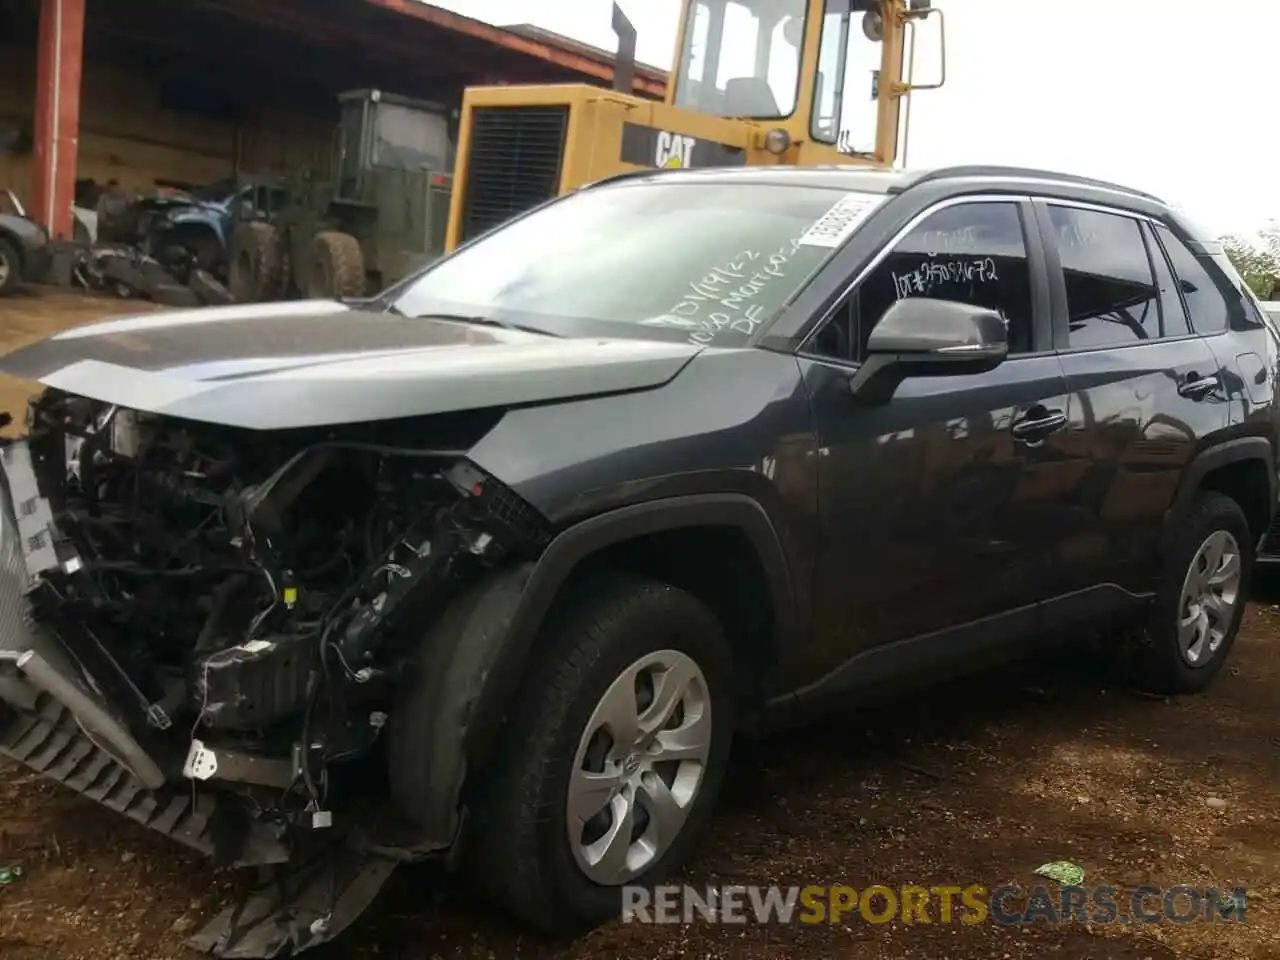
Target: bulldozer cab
[(795, 82)]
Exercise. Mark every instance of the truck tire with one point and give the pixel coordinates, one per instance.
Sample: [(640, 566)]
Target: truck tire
[(253, 272), (1196, 614), (629, 666), (174, 295), (123, 276), (337, 267), (209, 288), (10, 267)]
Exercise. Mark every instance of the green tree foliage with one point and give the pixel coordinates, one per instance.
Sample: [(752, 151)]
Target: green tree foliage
[(1258, 262)]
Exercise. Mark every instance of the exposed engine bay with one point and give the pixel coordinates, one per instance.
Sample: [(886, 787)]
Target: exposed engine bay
[(250, 599)]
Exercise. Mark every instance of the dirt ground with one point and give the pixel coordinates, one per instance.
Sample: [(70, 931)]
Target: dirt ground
[(976, 783)]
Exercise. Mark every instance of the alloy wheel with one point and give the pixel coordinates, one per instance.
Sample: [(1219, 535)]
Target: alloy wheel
[(1210, 594), (640, 763)]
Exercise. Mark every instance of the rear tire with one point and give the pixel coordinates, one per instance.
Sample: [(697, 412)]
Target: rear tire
[(337, 267), (1196, 614), (619, 657)]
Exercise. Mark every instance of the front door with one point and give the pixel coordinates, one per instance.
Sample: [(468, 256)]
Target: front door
[(1145, 389), (941, 507)]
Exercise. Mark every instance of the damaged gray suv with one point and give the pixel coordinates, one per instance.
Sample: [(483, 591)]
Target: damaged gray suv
[(491, 568)]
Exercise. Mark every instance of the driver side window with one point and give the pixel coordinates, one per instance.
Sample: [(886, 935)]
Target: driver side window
[(972, 253)]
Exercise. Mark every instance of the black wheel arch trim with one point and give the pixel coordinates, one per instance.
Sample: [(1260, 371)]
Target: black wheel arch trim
[(1237, 450), (589, 536), (467, 724)]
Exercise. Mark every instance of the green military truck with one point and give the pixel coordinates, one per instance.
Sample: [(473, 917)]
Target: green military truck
[(380, 215)]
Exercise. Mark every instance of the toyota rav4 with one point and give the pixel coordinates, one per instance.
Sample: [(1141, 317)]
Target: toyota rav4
[(492, 568)]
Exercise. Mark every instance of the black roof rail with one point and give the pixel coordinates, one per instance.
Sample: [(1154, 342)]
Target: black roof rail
[(985, 170)]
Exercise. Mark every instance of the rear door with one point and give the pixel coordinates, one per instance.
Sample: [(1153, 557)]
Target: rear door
[(1145, 388)]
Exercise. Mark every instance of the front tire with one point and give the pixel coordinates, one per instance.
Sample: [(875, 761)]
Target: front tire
[(614, 756), (1197, 611)]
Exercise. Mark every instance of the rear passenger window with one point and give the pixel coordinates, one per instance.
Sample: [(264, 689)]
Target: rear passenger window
[(1112, 298), (1173, 314), (1205, 304)]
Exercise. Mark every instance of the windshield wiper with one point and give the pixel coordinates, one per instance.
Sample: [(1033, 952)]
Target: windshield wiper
[(479, 321)]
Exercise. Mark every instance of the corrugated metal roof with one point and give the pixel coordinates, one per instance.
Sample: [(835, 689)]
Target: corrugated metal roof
[(586, 49), (559, 51)]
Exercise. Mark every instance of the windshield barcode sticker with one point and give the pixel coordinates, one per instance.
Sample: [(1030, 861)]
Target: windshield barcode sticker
[(836, 225)]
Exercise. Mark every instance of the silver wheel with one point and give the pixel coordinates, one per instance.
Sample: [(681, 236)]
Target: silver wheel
[(639, 766), (5, 268), (1210, 593)]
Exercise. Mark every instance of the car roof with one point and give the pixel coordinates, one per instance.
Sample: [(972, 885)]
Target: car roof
[(929, 184), (873, 179)]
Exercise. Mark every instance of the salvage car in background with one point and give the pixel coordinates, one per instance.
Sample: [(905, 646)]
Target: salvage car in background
[(24, 245), (193, 229), (493, 567)]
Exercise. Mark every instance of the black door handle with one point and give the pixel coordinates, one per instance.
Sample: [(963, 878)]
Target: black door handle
[(1033, 427), (1197, 387)]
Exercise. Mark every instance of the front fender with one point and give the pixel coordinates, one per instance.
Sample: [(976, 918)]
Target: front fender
[(489, 647)]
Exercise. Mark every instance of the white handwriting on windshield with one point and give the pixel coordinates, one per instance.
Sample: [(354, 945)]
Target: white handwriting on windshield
[(731, 298), (930, 274), (716, 284), (745, 323)]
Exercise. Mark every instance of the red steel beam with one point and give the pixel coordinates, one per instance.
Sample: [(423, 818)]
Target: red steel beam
[(513, 41), (59, 65)]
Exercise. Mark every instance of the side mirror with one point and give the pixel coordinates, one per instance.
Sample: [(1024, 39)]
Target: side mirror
[(918, 337)]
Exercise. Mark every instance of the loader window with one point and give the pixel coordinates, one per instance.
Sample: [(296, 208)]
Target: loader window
[(741, 58), (696, 261), (847, 86), (409, 139), (349, 145)]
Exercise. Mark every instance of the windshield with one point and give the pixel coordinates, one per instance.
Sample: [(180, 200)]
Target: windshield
[(741, 58), (704, 262)]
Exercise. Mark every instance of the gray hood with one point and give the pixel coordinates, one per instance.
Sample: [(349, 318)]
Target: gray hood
[(318, 362)]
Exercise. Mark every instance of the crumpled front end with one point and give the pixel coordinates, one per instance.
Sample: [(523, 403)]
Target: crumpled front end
[(55, 716), (203, 627)]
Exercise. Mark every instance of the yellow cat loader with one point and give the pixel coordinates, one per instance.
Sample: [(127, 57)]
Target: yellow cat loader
[(753, 82)]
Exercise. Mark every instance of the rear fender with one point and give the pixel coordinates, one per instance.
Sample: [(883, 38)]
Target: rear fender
[(1239, 450)]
